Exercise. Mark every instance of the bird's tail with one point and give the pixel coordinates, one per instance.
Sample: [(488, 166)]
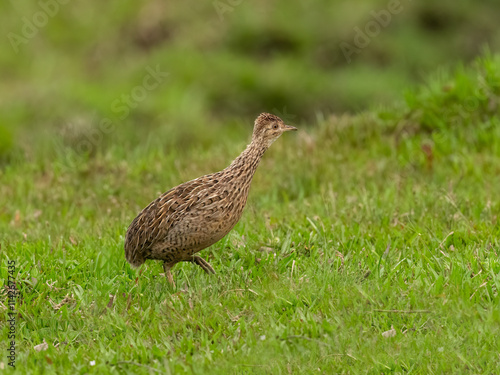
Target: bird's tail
[(133, 256)]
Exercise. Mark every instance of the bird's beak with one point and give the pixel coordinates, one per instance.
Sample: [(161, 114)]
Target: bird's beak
[(289, 128)]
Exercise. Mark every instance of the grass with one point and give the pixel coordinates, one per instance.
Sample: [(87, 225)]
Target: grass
[(361, 225)]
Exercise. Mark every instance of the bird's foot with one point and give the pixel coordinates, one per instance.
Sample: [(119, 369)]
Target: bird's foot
[(168, 274), (203, 264)]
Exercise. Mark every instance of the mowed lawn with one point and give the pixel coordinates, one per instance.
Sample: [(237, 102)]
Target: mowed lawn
[(370, 244)]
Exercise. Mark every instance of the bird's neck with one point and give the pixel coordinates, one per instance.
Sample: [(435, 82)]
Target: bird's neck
[(249, 159)]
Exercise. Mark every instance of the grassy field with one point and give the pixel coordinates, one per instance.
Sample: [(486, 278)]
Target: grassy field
[(371, 239), (370, 244)]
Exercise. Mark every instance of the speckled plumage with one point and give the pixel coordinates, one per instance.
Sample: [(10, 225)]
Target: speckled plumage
[(198, 213)]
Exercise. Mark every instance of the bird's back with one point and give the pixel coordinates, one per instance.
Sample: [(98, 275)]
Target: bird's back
[(187, 218)]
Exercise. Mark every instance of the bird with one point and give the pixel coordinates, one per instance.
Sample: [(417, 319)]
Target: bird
[(196, 214)]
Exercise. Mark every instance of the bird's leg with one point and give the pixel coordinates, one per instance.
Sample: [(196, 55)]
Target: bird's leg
[(168, 274), (202, 263)]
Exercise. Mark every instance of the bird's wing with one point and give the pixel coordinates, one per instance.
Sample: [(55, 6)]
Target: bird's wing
[(154, 222)]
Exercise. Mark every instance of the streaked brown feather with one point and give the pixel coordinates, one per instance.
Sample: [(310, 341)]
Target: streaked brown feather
[(198, 213)]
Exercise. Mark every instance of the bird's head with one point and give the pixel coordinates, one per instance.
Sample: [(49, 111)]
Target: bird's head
[(269, 128)]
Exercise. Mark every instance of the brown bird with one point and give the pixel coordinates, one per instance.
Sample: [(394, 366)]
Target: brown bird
[(196, 214)]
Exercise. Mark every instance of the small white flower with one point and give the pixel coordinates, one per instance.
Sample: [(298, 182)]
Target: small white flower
[(389, 333), (41, 347), (92, 363)]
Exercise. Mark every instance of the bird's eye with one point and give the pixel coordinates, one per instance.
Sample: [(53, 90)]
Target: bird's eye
[(275, 126)]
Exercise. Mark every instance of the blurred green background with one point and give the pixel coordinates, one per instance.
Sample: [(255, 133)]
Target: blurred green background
[(379, 215), (226, 62)]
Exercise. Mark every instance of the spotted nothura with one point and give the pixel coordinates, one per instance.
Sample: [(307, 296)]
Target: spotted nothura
[(196, 214)]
